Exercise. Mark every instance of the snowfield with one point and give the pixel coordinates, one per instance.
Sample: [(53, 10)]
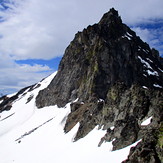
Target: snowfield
[(31, 135)]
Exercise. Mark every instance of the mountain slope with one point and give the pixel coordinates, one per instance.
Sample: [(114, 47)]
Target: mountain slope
[(108, 89), (28, 134), (117, 79)]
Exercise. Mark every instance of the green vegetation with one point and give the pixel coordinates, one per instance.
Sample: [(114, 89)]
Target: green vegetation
[(160, 136), (160, 143)]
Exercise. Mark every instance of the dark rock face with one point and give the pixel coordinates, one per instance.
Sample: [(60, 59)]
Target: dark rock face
[(117, 79), (97, 58), (147, 151), (6, 102)]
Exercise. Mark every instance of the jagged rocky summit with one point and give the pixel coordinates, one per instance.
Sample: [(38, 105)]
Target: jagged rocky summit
[(115, 80), (100, 57)]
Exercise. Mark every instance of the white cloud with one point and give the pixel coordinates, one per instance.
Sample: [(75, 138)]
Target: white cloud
[(145, 34), (15, 76), (42, 29), (34, 68), (140, 11), (154, 37)]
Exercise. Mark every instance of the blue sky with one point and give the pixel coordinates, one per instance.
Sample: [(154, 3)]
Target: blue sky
[(52, 63), (35, 33)]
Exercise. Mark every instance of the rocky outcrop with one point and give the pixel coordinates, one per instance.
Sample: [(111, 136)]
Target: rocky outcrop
[(117, 79), (150, 149), (7, 102)]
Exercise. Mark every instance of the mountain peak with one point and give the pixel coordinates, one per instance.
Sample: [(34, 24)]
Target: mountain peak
[(114, 76), (112, 81), (99, 57), (110, 17)]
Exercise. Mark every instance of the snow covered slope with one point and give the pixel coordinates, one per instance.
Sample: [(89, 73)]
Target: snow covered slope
[(31, 135)]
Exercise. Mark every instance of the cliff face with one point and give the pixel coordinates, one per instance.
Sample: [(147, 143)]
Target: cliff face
[(117, 81), (99, 57)]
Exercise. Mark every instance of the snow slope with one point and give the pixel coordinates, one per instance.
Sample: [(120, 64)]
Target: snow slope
[(31, 135)]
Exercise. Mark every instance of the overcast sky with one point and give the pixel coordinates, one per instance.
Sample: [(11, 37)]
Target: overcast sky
[(34, 32)]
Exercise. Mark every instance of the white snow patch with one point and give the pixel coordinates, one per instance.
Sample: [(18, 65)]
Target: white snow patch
[(100, 100), (154, 73), (146, 122), (10, 95), (129, 34), (156, 85), (76, 100), (160, 70), (145, 51), (146, 64), (149, 60), (21, 111), (145, 87), (44, 83), (126, 36), (112, 128), (150, 71)]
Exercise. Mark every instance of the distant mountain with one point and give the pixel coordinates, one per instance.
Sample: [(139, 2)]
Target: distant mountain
[(108, 88)]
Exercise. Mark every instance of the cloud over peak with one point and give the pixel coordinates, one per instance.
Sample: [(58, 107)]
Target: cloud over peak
[(39, 29), (43, 29)]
